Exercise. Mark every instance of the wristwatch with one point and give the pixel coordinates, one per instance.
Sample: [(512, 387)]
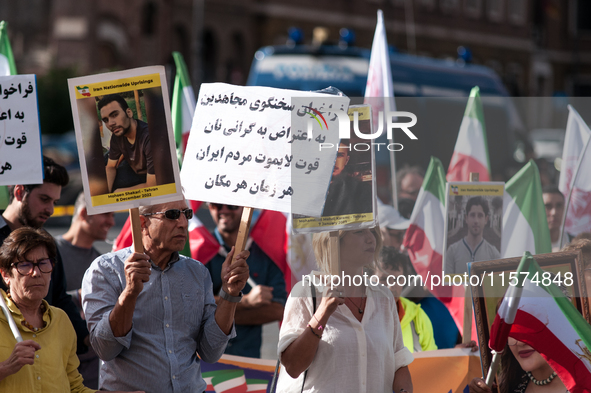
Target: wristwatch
[(230, 298)]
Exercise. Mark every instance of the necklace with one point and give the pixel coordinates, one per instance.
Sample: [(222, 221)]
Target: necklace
[(27, 324), (358, 307), (543, 382)]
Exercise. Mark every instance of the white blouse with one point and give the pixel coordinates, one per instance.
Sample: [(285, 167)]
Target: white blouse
[(352, 356)]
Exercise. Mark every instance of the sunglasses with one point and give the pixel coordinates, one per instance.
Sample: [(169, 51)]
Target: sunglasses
[(220, 206), (173, 214), (26, 268)]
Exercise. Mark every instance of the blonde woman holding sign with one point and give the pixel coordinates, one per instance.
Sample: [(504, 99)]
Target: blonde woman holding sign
[(349, 339)]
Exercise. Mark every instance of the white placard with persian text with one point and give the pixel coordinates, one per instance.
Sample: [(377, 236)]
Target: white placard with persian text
[(244, 146), (20, 137)]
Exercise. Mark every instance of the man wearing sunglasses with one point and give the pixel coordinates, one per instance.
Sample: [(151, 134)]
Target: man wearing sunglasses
[(150, 313), (262, 304), (31, 205)]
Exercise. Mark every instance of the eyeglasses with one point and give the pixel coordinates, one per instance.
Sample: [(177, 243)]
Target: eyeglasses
[(173, 214), (220, 206), (511, 341), (26, 268)]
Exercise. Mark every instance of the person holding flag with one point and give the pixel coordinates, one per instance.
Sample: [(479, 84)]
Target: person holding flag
[(539, 336), (522, 364)]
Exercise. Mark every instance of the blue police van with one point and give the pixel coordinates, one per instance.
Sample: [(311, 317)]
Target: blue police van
[(435, 90)]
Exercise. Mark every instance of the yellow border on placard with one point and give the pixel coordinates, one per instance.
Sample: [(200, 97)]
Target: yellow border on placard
[(331, 221), (364, 113), (119, 85), (476, 189), (126, 196)]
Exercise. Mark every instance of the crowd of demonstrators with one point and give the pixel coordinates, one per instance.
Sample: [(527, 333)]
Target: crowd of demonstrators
[(27, 259), (348, 338), (262, 303), (31, 206), (78, 252), (152, 316)]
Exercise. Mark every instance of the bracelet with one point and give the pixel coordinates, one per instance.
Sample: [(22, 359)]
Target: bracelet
[(320, 327), (313, 332)]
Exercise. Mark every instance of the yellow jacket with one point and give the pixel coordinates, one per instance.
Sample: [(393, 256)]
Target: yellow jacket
[(421, 339), (56, 364)]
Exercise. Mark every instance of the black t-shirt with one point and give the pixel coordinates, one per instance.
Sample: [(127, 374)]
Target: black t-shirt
[(138, 155)]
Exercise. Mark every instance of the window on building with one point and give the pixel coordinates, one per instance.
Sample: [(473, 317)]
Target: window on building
[(516, 11), (449, 6), (473, 8), (427, 4), (494, 10)]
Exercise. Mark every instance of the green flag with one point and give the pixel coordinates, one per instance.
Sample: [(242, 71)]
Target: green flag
[(7, 67)]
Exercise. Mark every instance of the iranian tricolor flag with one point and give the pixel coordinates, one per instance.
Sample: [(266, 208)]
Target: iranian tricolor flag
[(424, 236), (230, 381), (7, 67), (183, 105), (471, 151), (524, 217), (425, 242), (547, 321), (576, 155), (256, 385)]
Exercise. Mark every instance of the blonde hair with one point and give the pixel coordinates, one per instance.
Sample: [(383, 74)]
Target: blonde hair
[(320, 244)]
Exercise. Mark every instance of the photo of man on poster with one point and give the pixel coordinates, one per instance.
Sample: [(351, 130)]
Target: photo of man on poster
[(473, 235), (130, 164)]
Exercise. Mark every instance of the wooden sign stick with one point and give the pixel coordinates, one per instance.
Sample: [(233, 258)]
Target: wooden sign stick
[(467, 330), (243, 230), (136, 230), (334, 254)]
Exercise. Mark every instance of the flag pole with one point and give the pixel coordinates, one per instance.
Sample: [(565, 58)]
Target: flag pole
[(11, 323), (570, 192)]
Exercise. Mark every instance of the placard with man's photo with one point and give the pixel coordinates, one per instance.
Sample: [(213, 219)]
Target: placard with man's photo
[(350, 198), (474, 221), (125, 139)]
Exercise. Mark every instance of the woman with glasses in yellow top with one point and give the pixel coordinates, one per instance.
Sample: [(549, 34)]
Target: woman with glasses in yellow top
[(46, 358)]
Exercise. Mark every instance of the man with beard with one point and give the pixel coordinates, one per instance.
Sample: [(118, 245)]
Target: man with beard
[(31, 205), (472, 247), (260, 305), (130, 164)]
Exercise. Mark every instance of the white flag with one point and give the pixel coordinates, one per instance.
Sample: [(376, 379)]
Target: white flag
[(576, 148)]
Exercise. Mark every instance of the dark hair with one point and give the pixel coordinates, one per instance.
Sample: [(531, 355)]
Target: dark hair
[(53, 173), (393, 259), (407, 170), (110, 98), (477, 201), (552, 189), (511, 373), (21, 241)]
